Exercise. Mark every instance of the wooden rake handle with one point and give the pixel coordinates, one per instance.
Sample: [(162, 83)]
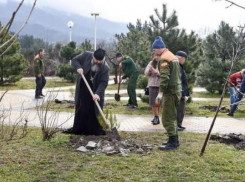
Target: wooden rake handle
[(96, 102)]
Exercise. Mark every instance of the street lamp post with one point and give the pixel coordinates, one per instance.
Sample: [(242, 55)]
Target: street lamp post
[(95, 14), (70, 24)]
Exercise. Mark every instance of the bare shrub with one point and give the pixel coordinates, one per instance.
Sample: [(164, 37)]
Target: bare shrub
[(49, 120), (12, 129)]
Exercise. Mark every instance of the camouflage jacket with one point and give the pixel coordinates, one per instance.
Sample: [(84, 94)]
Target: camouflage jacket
[(128, 67), (170, 76), (38, 65)]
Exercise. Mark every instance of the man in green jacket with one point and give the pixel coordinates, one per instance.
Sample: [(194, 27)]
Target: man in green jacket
[(38, 71), (169, 91), (129, 71)]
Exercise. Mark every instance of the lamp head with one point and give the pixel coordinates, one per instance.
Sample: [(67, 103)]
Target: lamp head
[(70, 24)]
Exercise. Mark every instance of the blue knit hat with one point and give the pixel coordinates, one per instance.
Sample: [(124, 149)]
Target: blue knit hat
[(158, 43), (181, 54)]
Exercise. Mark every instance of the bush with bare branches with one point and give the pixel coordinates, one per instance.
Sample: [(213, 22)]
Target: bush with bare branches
[(49, 120), (12, 129)]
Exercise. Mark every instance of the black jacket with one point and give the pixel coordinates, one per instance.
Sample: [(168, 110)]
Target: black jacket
[(101, 78), (185, 91)]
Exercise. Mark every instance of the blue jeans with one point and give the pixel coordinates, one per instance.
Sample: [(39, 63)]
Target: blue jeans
[(240, 96), (233, 93)]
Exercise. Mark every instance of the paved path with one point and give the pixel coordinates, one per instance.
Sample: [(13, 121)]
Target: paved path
[(143, 122), (17, 98)]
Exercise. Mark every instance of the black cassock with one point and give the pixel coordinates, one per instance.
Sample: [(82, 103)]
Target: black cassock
[(85, 121)]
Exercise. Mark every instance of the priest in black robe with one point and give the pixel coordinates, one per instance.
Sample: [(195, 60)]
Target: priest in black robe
[(96, 72)]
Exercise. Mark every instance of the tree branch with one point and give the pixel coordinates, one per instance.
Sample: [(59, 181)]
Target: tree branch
[(3, 95), (232, 3), (9, 24), (6, 50), (24, 24)]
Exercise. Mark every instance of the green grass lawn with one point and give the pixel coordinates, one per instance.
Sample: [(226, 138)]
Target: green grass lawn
[(123, 86), (33, 160), (208, 95), (196, 108), (31, 84)]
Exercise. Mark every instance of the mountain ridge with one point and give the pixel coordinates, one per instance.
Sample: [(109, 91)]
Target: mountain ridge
[(51, 25)]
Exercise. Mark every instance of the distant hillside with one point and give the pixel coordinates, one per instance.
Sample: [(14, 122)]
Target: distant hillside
[(51, 25)]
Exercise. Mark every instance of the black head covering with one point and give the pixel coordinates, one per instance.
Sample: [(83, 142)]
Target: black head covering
[(99, 54), (181, 54), (118, 55)]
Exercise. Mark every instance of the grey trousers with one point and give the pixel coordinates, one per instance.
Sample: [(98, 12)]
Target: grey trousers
[(180, 112)]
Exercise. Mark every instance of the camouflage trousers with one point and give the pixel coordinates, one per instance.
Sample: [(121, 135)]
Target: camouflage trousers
[(170, 103)]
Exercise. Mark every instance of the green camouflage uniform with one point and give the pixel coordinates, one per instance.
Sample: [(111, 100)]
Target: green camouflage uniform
[(40, 81), (38, 65), (170, 85), (130, 70)]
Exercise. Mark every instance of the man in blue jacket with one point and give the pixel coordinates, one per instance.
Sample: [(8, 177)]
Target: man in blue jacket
[(182, 56)]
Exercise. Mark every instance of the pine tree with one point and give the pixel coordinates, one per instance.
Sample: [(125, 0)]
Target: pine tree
[(218, 48), (68, 52), (12, 63), (136, 44), (176, 39), (86, 46)]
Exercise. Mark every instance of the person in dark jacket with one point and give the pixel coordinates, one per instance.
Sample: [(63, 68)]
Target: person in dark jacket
[(182, 56), (38, 71), (96, 72)]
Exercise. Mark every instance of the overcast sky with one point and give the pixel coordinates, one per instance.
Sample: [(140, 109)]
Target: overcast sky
[(192, 14)]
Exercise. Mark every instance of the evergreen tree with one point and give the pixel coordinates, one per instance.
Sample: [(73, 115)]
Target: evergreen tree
[(218, 48), (176, 39), (136, 44), (68, 52), (86, 46), (163, 25), (29, 48), (12, 63)]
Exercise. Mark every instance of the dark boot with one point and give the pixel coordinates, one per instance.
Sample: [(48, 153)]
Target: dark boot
[(156, 120), (230, 114), (165, 143), (180, 128), (171, 145), (68, 131), (38, 97), (133, 106), (42, 95)]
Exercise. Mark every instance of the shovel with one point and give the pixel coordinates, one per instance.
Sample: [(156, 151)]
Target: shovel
[(111, 133), (117, 96)]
